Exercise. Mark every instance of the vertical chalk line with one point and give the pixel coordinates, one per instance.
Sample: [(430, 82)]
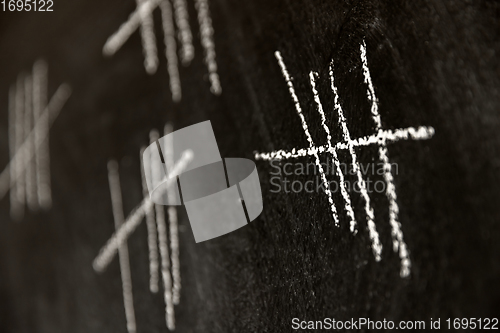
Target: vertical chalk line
[(42, 159), (17, 206), (167, 281), (31, 188), (13, 108), (116, 201), (171, 50), (163, 242), (174, 248), (399, 244), (185, 36), (151, 226), (148, 40), (207, 41), (333, 152), (370, 216), (39, 104), (298, 108), (12, 143), (173, 223)]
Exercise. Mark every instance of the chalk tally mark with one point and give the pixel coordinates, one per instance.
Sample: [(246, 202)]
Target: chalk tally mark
[(173, 223), (142, 18), (160, 258), (399, 244), (156, 173), (207, 41), (123, 255), (185, 36), (152, 235), (27, 175), (381, 138)]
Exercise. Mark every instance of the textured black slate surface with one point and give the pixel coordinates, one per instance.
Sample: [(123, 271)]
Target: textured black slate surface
[(433, 64)]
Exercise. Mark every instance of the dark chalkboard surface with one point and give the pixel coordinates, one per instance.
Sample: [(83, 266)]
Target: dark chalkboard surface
[(432, 65)]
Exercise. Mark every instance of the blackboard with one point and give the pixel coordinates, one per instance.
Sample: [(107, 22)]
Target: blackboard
[(432, 64)]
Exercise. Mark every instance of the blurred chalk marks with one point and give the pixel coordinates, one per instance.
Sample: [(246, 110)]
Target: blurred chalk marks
[(116, 201), (142, 19), (159, 246), (27, 175)]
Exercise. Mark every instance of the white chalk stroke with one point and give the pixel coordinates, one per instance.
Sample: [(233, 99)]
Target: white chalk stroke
[(173, 223), (399, 244), (152, 235), (27, 175), (380, 138), (116, 201), (142, 19)]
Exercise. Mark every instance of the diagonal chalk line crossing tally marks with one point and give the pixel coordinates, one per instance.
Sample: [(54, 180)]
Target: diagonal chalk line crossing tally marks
[(381, 138)]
